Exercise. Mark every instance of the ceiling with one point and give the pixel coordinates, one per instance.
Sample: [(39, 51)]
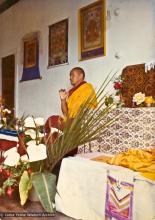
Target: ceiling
[(5, 4)]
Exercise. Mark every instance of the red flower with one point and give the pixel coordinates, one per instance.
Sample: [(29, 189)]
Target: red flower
[(9, 191), (1, 170), (118, 85), (6, 173)]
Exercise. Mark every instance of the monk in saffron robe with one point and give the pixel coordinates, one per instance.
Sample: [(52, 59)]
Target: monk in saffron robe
[(72, 100)]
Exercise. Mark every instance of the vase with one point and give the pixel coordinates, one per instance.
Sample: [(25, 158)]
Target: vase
[(33, 197)]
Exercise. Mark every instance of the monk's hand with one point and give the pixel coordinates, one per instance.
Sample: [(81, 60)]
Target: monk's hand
[(63, 94)]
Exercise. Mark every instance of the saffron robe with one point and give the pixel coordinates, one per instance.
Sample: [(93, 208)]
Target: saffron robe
[(79, 96)]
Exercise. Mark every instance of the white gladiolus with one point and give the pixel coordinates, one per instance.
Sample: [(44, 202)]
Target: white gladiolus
[(12, 159), (29, 122), (39, 121), (36, 152), (139, 98)]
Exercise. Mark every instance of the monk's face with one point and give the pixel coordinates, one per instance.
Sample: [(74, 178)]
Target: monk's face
[(76, 77)]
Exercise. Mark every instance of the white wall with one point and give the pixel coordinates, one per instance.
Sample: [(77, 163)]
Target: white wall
[(132, 34)]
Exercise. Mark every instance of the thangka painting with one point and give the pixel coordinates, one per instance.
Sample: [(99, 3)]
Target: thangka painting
[(31, 58), (119, 200), (92, 30), (58, 43)]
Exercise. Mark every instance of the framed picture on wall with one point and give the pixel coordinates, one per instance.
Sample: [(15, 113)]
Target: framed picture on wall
[(92, 30), (58, 43), (31, 57), (30, 53)]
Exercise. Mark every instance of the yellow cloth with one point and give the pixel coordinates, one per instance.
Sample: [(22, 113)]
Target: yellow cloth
[(79, 97), (142, 161)]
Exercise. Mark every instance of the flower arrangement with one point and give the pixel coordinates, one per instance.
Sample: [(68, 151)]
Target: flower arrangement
[(139, 99), (118, 86), (23, 170)]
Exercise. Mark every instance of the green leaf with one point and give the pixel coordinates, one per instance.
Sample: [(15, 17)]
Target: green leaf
[(25, 185), (45, 187)]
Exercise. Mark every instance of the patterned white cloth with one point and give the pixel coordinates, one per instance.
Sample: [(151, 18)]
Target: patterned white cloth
[(135, 128)]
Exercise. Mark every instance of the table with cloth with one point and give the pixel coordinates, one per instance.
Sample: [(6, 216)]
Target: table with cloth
[(95, 190), (91, 190)]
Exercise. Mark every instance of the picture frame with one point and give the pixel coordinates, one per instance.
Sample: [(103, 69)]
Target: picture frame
[(92, 30), (58, 43), (30, 53)]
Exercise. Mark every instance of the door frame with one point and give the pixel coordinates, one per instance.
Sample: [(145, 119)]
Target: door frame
[(5, 54)]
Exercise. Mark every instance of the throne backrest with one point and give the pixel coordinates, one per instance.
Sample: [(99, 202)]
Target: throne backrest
[(137, 80)]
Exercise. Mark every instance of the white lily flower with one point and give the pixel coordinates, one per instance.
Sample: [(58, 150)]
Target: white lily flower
[(31, 133), (12, 159), (29, 122), (36, 152), (24, 157), (39, 121), (11, 150), (31, 143)]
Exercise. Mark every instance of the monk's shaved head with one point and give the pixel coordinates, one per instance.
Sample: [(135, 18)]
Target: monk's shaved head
[(78, 70), (77, 75)]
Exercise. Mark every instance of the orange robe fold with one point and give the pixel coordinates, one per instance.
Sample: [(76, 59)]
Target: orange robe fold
[(139, 160)]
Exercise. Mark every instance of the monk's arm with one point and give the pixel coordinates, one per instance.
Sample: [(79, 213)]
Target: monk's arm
[(64, 107), (63, 97)]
